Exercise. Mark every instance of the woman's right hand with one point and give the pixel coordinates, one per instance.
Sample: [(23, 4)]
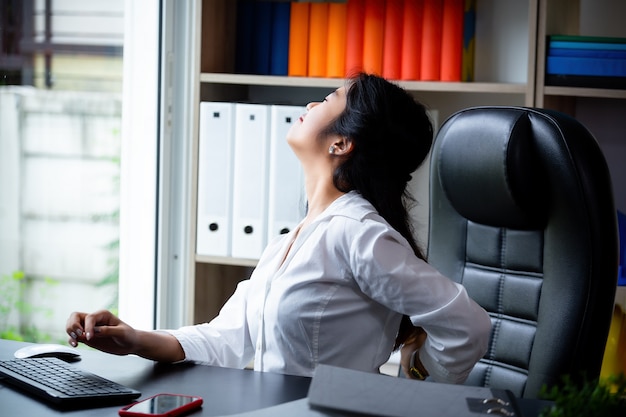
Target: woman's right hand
[(409, 353), (102, 330)]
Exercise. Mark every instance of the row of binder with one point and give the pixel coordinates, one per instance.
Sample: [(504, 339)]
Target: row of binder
[(428, 40), (399, 39), (250, 184), (586, 61)]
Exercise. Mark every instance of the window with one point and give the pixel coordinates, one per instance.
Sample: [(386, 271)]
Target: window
[(78, 179)]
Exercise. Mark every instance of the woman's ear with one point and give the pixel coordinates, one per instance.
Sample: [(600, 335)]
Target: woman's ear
[(341, 146)]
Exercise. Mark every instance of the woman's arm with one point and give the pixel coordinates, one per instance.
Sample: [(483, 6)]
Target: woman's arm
[(457, 328)]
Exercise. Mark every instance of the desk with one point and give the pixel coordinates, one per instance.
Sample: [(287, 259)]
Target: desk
[(224, 390)]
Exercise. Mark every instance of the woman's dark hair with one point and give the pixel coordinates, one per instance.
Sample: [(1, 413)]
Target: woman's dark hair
[(391, 135)]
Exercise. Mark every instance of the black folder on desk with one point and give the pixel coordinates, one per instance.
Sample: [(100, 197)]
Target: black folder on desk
[(361, 393)]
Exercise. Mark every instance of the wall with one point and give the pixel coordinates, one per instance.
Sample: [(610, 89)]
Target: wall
[(605, 118)]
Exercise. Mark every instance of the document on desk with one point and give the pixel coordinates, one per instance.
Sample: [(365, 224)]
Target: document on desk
[(362, 393)]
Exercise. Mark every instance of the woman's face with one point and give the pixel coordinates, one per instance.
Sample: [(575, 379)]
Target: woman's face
[(304, 135)]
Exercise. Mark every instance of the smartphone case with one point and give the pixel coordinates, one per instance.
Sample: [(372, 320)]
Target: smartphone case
[(178, 411)]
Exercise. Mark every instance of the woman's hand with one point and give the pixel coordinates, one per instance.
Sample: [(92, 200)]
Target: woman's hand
[(102, 330), (412, 345)]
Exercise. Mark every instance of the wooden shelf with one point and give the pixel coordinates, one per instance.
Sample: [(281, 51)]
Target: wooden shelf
[(584, 92), (224, 260), (437, 86), (245, 79)]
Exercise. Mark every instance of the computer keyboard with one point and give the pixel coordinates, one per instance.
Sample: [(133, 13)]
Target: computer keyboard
[(60, 383)]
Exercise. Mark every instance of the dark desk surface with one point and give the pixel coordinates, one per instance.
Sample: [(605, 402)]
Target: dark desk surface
[(225, 391)]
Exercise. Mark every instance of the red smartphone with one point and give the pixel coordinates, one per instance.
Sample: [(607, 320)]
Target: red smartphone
[(164, 405)]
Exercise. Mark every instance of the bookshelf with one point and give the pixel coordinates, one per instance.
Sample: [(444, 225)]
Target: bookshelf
[(564, 17), (601, 110), (510, 63)]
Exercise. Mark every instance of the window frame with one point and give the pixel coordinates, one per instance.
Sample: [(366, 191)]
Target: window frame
[(139, 168), (180, 65)]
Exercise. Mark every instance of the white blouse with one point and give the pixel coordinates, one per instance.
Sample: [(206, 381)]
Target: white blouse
[(337, 299)]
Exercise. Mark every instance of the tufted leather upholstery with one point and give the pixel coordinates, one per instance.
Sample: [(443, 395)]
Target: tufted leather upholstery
[(522, 214)]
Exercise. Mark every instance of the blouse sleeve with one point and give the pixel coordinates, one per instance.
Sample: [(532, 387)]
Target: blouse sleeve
[(225, 340), (458, 329)]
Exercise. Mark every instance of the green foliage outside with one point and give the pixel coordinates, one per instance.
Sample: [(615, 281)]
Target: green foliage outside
[(12, 305), (13, 308)]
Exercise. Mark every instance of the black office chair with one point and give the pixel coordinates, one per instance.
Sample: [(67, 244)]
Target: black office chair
[(522, 214)]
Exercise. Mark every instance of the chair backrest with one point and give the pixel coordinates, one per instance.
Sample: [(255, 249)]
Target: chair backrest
[(522, 214)]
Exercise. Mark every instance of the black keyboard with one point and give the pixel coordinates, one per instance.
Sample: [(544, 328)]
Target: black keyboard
[(60, 383)]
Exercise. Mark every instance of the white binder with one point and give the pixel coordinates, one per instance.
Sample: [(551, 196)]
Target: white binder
[(215, 175), (249, 234), (286, 206)]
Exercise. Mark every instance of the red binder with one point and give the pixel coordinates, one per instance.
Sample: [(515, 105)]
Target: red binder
[(452, 40), (373, 32), (431, 40), (411, 40), (392, 39), (355, 16)]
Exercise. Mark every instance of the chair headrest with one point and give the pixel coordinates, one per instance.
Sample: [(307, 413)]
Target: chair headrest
[(489, 169)]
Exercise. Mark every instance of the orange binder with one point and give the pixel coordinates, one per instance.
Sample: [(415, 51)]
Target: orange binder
[(452, 40), (336, 59), (355, 16), (392, 39), (373, 32), (411, 40), (318, 39), (298, 39), (431, 40)]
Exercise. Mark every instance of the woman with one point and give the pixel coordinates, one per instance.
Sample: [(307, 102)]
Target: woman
[(336, 288)]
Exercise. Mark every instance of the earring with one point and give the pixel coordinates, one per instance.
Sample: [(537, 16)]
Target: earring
[(331, 149)]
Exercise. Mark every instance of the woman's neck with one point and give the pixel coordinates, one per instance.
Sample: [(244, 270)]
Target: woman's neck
[(320, 195)]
